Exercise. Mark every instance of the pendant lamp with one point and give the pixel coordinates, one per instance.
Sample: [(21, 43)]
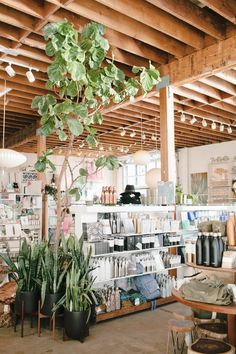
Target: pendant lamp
[(154, 175), (141, 157), (9, 158)]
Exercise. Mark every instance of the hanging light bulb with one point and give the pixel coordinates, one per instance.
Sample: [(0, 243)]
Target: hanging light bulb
[(10, 71), (81, 145), (132, 99), (101, 148), (143, 136), (110, 148), (126, 150), (182, 117), (9, 158), (222, 128), (229, 129), (204, 123), (30, 76), (121, 149), (123, 132), (132, 134), (193, 120), (213, 125)]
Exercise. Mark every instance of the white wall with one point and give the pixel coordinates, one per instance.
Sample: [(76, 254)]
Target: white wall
[(196, 159), (108, 178)]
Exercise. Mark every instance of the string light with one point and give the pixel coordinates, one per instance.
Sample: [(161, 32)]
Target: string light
[(213, 125), (132, 134), (204, 123), (193, 120), (222, 128), (101, 148), (229, 129), (143, 136), (182, 117), (123, 132), (154, 137)]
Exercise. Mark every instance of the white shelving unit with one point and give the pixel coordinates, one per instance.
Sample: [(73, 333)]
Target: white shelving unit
[(23, 214)]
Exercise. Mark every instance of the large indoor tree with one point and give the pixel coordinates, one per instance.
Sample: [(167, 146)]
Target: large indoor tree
[(83, 82)]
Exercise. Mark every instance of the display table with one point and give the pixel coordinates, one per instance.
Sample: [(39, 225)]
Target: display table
[(229, 310)]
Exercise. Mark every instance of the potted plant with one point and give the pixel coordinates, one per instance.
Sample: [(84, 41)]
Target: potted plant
[(83, 83), (26, 272), (53, 273), (79, 296)]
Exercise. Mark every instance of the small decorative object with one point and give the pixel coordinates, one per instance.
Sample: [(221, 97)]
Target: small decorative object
[(129, 196), (93, 231)]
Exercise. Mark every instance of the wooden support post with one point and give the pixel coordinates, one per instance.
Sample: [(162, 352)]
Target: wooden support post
[(168, 165)]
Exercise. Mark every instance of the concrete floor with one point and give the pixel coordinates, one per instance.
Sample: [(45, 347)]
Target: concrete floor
[(141, 333)]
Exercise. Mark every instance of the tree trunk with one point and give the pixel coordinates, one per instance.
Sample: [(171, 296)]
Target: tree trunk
[(60, 214)]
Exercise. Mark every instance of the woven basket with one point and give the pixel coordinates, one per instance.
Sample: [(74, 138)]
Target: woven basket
[(5, 320)]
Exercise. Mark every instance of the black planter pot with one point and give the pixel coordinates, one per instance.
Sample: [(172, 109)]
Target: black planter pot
[(76, 324), (49, 302), (29, 299)]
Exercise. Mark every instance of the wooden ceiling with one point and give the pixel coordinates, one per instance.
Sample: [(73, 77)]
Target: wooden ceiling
[(194, 42)]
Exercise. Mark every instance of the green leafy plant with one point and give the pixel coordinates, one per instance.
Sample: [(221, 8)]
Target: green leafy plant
[(79, 295), (26, 270), (53, 271), (83, 83)]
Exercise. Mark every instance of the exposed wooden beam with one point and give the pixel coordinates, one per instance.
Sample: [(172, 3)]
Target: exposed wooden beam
[(225, 8), (16, 18), (128, 26), (33, 8), (203, 63), (158, 19), (192, 14)]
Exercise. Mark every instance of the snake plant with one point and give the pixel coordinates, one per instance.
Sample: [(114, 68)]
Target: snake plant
[(79, 295), (53, 271), (26, 270)]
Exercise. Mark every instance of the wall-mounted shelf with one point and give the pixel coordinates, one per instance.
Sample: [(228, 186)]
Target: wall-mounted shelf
[(219, 269)]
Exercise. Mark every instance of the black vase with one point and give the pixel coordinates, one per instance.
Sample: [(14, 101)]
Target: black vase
[(27, 299), (76, 324), (49, 302)]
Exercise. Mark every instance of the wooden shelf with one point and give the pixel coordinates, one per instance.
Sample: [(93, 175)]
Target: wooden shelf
[(220, 269), (132, 309)]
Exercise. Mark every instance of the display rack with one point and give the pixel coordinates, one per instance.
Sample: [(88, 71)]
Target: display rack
[(89, 214), (20, 216)]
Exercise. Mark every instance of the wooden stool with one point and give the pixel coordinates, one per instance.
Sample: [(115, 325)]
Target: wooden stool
[(184, 314), (175, 328), (210, 346), (213, 330)]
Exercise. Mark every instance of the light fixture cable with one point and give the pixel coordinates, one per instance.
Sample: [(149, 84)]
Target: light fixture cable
[(4, 114)]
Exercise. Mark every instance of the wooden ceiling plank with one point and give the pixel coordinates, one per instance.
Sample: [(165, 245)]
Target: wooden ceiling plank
[(229, 76), (220, 84), (204, 89), (158, 19), (31, 7), (9, 32), (191, 94), (192, 14), (115, 38), (16, 18), (128, 26), (225, 8)]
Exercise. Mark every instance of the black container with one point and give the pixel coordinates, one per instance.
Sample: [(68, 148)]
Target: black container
[(76, 324), (199, 260), (147, 241), (49, 302), (152, 241), (120, 244), (29, 299), (129, 243), (143, 242), (206, 251), (215, 252), (116, 244)]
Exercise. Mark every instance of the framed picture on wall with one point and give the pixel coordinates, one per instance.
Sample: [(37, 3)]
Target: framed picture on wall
[(93, 175), (199, 186)]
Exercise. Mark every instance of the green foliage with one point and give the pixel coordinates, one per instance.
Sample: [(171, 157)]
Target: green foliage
[(110, 162), (43, 161), (26, 271), (53, 270), (79, 294), (84, 82)]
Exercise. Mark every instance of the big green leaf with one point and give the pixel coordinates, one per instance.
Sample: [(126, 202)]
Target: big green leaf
[(77, 70), (75, 126), (80, 110)]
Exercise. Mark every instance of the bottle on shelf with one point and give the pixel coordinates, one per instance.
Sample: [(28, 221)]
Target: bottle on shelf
[(206, 250), (214, 252), (221, 247), (107, 196), (103, 196), (199, 246)]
